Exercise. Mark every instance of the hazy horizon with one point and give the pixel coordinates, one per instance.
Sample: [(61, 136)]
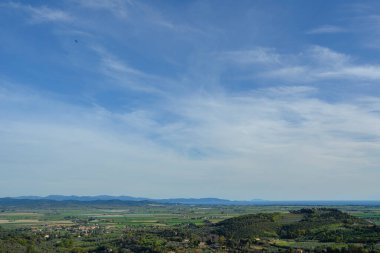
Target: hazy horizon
[(189, 198), (276, 100)]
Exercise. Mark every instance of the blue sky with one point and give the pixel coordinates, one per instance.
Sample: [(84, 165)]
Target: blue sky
[(234, 99)]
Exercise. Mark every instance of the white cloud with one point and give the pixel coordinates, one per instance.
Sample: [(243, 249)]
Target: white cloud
[(316, 63), (265, 142), (124, 75), (281, 136), (326, 56), (327, 29), (319, 63), (365, 72), (287, 91), (252, 56), (42, 14)]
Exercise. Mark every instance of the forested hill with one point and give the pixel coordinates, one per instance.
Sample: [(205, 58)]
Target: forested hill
[(322, 224)]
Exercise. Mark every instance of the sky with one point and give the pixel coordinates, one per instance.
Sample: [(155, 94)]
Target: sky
[(275, 100)]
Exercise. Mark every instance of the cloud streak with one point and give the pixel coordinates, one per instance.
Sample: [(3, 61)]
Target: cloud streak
[(314, 64), (253, 56), (327, 29), (118, 8), (42, 14)]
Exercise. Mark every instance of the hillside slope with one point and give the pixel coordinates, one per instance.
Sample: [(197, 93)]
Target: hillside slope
[(322, 224)]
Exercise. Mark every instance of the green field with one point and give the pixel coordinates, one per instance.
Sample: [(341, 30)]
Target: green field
[(151, 215), (86, 228)]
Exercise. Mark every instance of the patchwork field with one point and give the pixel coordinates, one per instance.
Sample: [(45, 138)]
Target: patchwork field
[(88, 227), (156, 215)]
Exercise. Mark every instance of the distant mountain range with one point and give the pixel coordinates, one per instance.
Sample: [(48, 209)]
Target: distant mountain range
[(197, 201), (188, 201)]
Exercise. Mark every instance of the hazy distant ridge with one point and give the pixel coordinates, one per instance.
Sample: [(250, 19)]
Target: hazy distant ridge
[(199, 201)]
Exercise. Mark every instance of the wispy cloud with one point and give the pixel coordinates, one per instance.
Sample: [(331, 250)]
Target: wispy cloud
[(124, 75), (164, 98), (326, 56), (119, 8), (41, 14), (208, 136), (367, 26), (327, 29), (138, 12), (320, 63), (314, 64), (257, 55)]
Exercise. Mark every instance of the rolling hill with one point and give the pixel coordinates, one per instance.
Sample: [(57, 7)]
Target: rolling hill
[(322, 224)]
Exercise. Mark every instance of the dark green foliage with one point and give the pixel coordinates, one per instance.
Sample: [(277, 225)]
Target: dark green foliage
[(322, 224), (249, 226)]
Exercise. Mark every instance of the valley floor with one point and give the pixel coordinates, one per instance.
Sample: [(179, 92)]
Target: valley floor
[(105, 227)]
